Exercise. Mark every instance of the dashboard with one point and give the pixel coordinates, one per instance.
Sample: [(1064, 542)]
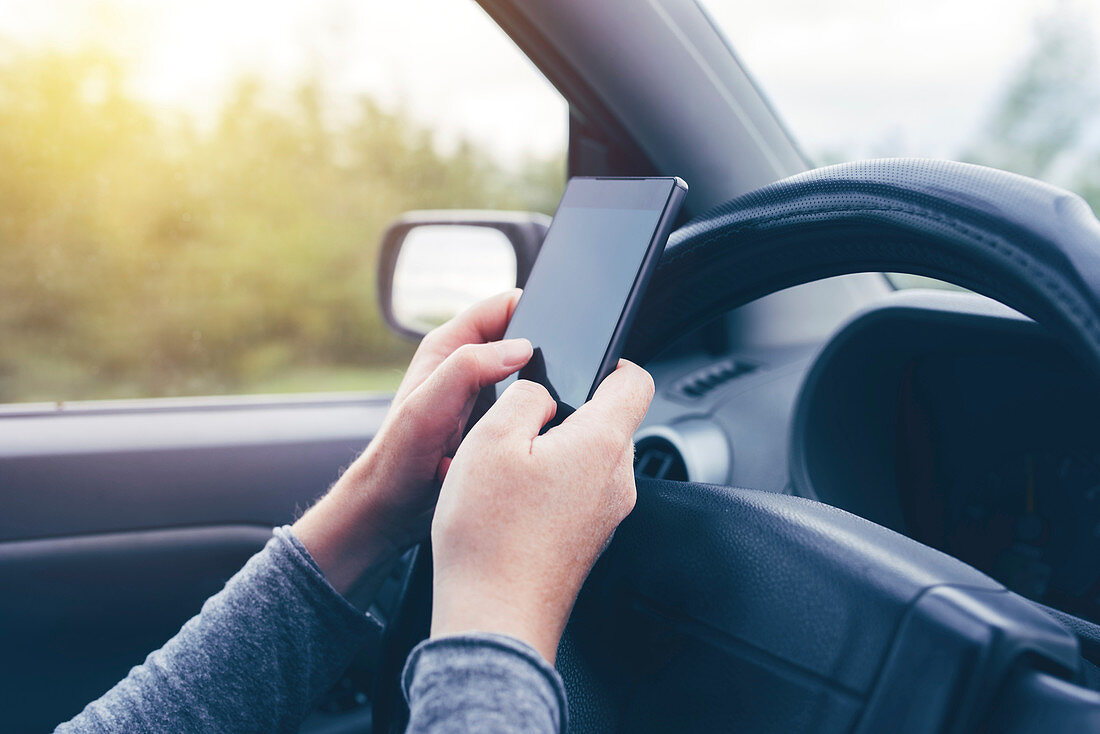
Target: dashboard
[(945, 416), (968, 427), (999, 466)]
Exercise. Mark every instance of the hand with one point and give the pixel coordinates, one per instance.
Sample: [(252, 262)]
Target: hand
[(522, 517), (383, 503)]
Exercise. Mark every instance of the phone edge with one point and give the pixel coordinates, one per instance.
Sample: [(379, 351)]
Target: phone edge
[(664, 230)]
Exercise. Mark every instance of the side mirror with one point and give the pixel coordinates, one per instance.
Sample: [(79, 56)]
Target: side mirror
[(434, 264)]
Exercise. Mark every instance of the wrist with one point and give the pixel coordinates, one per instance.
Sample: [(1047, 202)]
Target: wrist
[(345, 534), (472, 612)]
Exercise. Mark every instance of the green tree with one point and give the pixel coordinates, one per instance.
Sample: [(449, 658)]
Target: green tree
[(144, 256), (1042, 123)]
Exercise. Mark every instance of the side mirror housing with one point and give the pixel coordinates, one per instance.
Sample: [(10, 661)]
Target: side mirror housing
[(434, 264)]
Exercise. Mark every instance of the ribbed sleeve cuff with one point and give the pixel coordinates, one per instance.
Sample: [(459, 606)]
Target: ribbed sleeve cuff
[(338, 614), (483, 682)]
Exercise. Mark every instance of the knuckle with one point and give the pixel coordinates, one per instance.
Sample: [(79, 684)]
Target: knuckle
[(486, 431), (531, 390), (465, 353), (401, 416), (433, 337), (465, 358), (496, 431), (526, 387)]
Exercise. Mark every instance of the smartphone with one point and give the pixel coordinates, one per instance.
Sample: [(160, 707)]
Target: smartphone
[(588, 280)]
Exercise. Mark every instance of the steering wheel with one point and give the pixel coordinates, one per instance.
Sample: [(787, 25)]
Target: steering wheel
[(725, 609)]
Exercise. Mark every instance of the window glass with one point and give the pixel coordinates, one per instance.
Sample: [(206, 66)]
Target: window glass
[(193, 191), (1013, 84)]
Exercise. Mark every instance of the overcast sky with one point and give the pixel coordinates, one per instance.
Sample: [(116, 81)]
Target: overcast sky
[(907, 76), (855, 77)]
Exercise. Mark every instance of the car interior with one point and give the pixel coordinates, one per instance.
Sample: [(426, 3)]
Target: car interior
[(860, 509)]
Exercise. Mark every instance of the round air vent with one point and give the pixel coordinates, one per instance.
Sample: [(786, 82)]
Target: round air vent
[(690, 450), (657, 458)]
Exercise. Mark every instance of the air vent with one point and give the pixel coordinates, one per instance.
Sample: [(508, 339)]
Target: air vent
[(656, 458), (691, 449), (699, 383)]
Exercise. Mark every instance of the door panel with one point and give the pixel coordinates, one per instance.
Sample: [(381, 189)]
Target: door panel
[(93, 469), (87, 608), (119, 521)]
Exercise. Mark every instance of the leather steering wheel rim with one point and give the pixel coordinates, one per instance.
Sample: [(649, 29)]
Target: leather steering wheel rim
[(1029, 245)]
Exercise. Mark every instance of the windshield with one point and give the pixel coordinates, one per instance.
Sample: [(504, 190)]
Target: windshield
[(1013, 84)]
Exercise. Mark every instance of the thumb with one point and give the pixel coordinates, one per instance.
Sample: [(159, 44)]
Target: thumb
[(450, 389), (617, 407)]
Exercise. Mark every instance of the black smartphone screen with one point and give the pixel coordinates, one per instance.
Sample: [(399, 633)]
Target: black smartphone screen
[(603, 242)]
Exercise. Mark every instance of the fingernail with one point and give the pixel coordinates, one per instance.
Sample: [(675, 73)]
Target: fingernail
[(513, 352)]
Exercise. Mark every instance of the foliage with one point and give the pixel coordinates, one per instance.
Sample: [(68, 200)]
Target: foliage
[(1042, 123), (144, 255)]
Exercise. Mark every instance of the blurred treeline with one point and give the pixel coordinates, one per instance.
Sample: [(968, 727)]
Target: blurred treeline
[(1046, 123), (144, 255)]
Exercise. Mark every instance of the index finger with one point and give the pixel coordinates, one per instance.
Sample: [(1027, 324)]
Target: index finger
[(618, 405), (483, 322)]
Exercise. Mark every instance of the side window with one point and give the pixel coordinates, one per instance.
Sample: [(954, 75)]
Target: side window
[(192, 192)]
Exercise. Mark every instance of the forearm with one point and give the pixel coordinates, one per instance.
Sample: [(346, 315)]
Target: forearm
[(254, 659), (482, 682)]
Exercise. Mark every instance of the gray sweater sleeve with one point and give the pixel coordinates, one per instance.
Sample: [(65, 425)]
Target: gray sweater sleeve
[(484, 683), (278, 636), (253, 660)]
